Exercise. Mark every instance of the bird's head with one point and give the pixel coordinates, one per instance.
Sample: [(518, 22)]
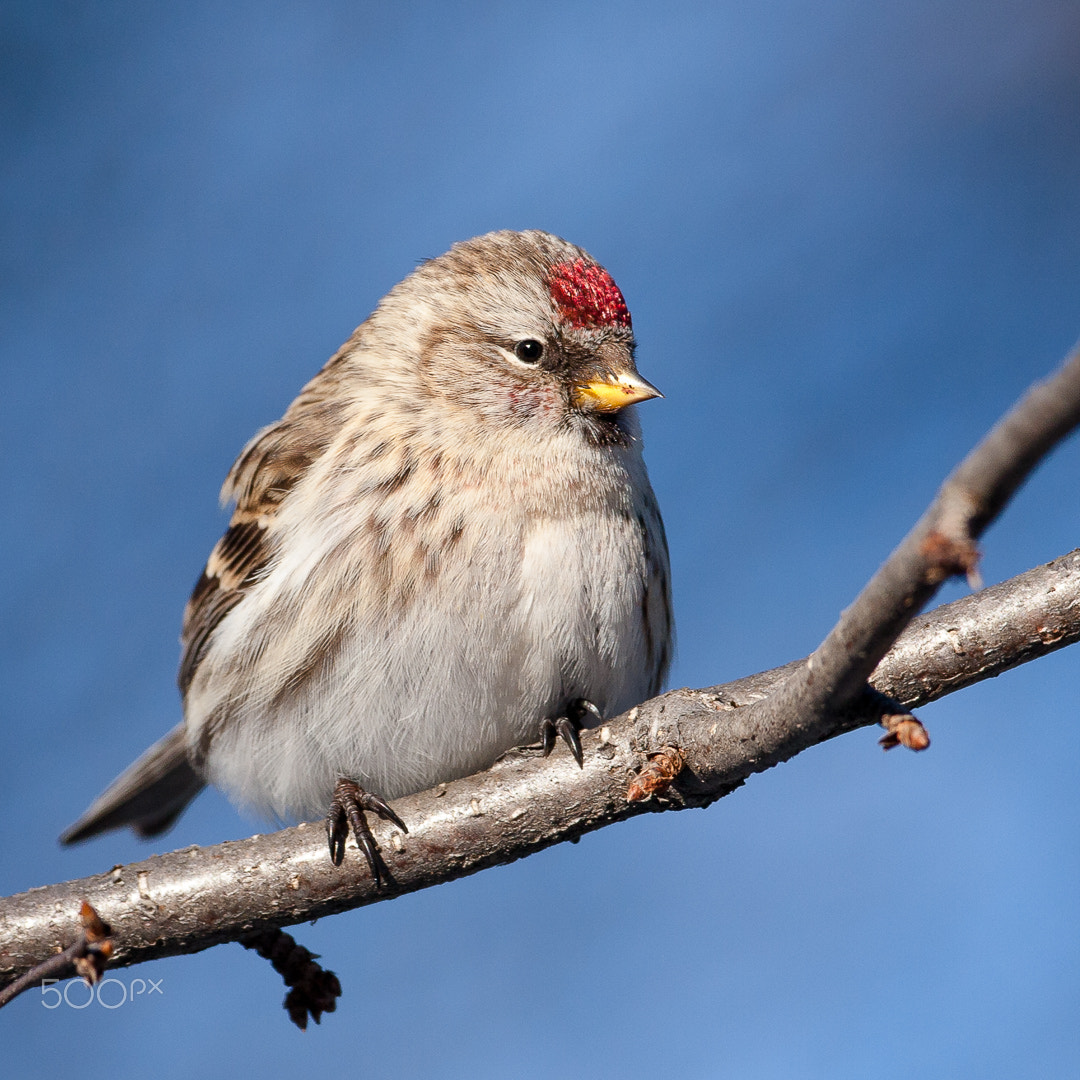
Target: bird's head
[(522, 328)]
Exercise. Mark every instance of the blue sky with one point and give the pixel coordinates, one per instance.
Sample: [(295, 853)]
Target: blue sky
[(848, 236)]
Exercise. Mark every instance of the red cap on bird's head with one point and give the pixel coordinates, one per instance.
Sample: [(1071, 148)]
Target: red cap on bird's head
[(586, 295)]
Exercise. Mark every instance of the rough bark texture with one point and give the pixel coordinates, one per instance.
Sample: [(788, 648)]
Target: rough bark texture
[(194, 898)]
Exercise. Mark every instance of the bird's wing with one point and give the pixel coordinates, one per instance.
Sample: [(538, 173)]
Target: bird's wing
[(260, 479), (152, 792)]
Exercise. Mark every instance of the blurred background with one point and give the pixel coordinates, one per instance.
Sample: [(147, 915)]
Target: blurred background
[(848, 233)]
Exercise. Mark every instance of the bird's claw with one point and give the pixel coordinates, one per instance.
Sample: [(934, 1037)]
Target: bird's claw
[(347, 808), (568, 728)]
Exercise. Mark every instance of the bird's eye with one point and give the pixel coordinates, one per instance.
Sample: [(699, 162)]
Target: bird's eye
[(530, 350)]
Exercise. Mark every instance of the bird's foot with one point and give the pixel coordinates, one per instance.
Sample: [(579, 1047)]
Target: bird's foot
[(347, 808), (568, 727)]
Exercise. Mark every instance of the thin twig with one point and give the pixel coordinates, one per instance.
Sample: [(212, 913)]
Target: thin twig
[(941, 544), (86, 956)]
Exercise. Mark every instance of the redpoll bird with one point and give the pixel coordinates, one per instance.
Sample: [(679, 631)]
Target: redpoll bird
[(447, 546)]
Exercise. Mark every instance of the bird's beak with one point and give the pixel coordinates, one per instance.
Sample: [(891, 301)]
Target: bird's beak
[(614, 392)]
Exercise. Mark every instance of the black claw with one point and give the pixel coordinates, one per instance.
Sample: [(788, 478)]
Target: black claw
[(337, 828), (568, 729), (347, 809), (378, 806), (547, 736), (581, 707)]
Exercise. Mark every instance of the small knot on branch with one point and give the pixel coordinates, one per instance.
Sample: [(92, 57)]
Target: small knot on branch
[(947, 556), (96, 949), (313, 989), (655, 778), (902, 729)]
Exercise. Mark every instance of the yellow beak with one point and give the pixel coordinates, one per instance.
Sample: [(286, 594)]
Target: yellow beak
[(613, 394)]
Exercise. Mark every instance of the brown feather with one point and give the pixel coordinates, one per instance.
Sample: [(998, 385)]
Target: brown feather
[(264, 473)]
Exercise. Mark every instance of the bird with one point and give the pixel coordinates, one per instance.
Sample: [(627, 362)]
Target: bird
[(446, 548)]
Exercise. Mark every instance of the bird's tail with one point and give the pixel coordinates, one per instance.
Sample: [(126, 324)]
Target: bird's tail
[(149, 795)]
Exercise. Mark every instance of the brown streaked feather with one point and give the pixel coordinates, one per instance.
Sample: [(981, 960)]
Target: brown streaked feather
[(209, 604), (264, 473)]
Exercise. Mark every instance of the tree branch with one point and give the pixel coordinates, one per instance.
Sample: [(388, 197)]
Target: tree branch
[(194, 898), (694, 745), (941, 544)]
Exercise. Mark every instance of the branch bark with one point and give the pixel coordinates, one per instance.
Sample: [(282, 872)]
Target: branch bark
[(195, 898), (191, 899)]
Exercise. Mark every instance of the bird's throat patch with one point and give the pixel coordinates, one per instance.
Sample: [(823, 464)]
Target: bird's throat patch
[(586, 295)]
